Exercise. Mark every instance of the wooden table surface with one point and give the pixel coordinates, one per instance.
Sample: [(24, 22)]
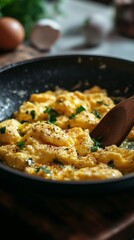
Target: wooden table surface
[(69, 218), (23, 52), (64, 218)]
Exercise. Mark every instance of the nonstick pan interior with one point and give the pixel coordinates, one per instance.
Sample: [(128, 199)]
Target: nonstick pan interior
[(72, 72)]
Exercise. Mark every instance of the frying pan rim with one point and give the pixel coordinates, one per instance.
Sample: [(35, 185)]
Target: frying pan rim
[(45, 58), (39, 179)]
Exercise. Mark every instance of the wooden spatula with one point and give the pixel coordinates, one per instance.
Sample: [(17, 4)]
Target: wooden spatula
[(116, 124)]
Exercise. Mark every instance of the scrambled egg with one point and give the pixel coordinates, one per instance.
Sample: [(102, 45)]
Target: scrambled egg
[(49, 136)]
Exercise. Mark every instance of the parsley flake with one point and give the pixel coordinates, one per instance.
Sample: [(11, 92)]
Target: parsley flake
[(96, 113), (52, 115), (33, 114), (72, 116), (2, 130), (21, 144), (97, 144), (101, 102), (78, 110), (43, 168)]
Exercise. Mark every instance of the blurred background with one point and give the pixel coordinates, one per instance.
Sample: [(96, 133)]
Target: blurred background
[(102, 27)]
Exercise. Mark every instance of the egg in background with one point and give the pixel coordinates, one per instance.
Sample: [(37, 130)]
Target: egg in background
[(12, 33)]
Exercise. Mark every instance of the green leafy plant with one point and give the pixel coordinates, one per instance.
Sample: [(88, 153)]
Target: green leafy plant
[(28, 12), (5, 2)]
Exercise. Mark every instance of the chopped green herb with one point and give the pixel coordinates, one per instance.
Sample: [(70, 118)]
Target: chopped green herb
[(96, 113), (21, 144), (52, 115), (2, 130), (43, 168), (94, 148), (111, 163), (101, 102), (97, 144), (78, 110), (72, 116), (46, 170), (106, 104), (33, 114)]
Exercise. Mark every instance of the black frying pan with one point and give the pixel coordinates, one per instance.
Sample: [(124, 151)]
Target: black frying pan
[(73, 72)]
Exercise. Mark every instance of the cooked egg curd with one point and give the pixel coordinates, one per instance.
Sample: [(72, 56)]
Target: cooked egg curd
[(49, 136)]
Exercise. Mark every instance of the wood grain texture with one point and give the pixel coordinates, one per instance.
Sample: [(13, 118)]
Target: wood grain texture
[(23, 52), (74, 218)]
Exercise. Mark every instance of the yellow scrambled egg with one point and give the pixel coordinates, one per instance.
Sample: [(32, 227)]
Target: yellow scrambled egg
[(49, 136)]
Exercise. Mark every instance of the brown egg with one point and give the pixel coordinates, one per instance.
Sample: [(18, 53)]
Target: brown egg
[(12, 33)]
